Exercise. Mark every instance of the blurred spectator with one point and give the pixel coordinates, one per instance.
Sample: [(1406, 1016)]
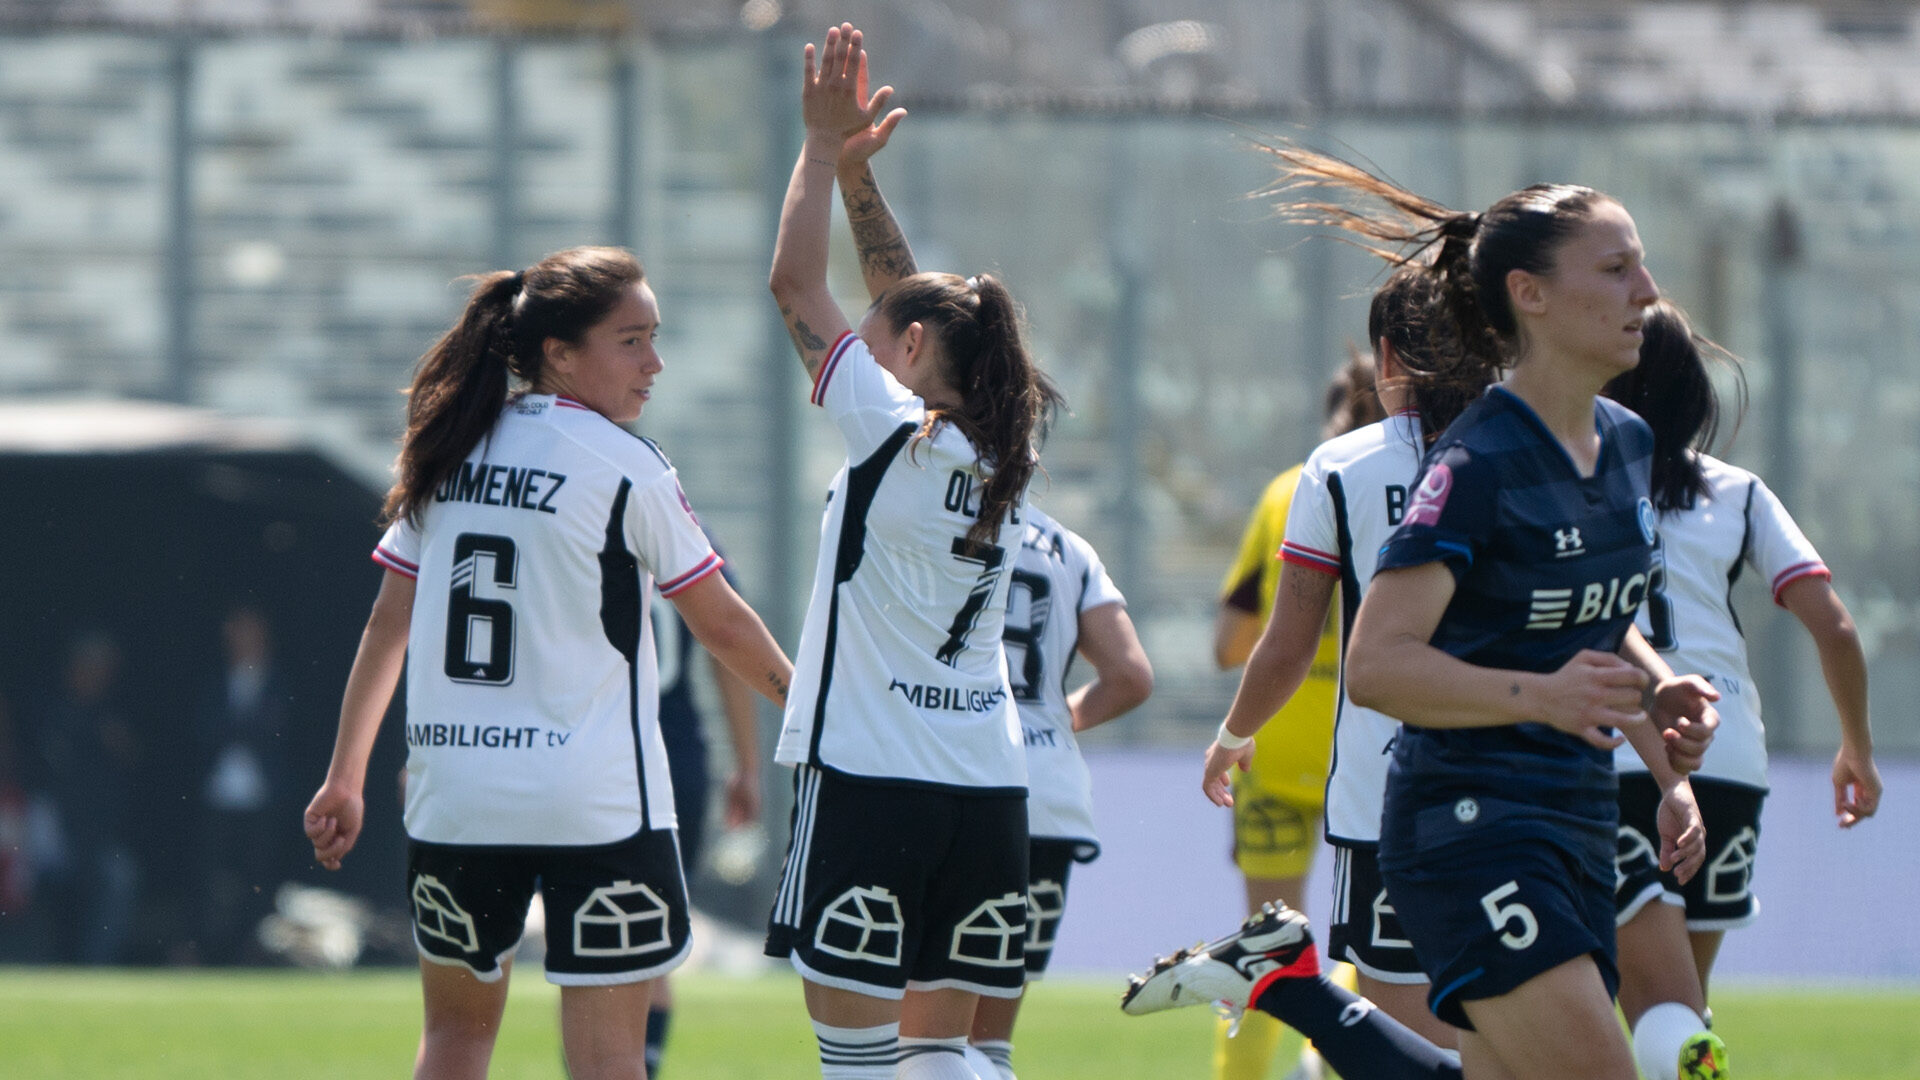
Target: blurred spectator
[(16, 849), (239, 732), (88, 753)]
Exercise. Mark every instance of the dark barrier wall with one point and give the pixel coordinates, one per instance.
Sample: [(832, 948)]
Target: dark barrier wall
[(153, 550)]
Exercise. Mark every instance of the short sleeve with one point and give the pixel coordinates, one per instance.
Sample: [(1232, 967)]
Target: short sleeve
[(861, 397), (399, 549), (1312, 540), (667, 538), (1779, 549), (1097, 588), (1449, 516), (1259, 546)]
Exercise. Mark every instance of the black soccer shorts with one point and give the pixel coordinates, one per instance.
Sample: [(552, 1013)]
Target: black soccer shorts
[(891, 887), (1366, 930), (616, 913), (1720, 896)]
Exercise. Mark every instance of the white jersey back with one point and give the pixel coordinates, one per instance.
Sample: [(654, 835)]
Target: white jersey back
[(1351, 497), (1689, 614), (531, 692), (900, 674), (1056, 577)]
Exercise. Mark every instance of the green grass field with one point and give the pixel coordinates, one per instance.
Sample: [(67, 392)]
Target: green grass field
[(60, 1024)]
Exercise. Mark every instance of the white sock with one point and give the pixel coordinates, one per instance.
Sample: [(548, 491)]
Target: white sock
[(869, 1053), (997, 1057), (1658, 1035), (936, 1059)]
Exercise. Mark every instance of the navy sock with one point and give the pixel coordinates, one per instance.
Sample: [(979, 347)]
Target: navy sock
[(1352, 1034), (657, 1021)]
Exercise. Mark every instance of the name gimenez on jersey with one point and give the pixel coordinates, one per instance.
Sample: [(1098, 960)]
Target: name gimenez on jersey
[(502, 485)]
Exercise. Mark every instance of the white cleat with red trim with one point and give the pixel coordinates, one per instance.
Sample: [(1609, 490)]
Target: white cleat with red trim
[(1230, 973)]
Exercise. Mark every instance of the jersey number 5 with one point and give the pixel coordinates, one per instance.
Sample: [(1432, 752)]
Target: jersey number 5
[(1502, 914), (479, 625), (988, 557)]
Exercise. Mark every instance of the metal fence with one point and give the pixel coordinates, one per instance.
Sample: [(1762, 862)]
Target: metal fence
[(270, 225)]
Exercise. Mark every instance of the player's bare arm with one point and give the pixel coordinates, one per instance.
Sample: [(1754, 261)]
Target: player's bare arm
[(736, 637), (1856, 780), (799, 275), (1279, 663), (332, 821), (885, 257), (1680, 705), (1392, 668), (1123, 677)]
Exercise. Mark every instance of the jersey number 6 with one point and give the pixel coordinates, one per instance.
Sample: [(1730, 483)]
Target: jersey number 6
[(1501, 914), (480, 627)]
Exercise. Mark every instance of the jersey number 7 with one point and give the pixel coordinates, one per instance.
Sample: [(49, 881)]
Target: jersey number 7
[(988, 557)]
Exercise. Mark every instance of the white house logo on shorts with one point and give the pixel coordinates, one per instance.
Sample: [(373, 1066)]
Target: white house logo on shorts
[(1634, 848), (988, 936), (1430, 497), (621, 919), (1730, 875), (863, 923), (1046, 902), (1466, 810), (1647, 519), (438, 915)]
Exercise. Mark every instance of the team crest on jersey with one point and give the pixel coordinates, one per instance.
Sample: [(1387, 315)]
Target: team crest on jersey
[(1431, 496), (1647, 519)]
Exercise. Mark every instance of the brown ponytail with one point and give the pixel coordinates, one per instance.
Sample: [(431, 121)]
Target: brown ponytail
[(1005, 399), (1469, 318), (462, 382)]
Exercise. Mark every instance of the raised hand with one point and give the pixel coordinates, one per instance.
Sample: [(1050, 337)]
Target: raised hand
[(838, 111)]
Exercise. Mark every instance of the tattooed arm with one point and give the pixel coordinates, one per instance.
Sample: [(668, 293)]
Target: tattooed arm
[(885, 257), (838, 113)]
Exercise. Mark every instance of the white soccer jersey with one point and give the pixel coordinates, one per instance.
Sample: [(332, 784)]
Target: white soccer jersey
[(900, 674), (1689, 614), (532, 698), (1056, 577), (1352, 495)]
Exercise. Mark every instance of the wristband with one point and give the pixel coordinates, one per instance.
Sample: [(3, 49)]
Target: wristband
[(1228, 740)]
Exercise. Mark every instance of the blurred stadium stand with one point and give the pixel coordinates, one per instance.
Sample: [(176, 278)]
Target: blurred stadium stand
[(259, 208)]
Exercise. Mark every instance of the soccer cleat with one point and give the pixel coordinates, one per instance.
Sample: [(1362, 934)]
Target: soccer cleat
[(1274, 943), (1704, 1057)]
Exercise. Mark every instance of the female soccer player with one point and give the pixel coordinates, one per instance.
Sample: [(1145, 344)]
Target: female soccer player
[(903, 896), (1715, 520), (525, 529), (1060, 604), (1352, 495), (1280, 793), (1492, 631)]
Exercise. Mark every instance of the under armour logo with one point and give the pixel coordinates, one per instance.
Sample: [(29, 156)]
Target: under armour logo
[(1355, 1012), (1567, 542)]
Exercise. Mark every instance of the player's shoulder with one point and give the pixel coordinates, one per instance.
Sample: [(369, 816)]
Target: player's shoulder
[(1046, 539), (1724, 476), (633, 456), (1399, 432), (1635, 434)]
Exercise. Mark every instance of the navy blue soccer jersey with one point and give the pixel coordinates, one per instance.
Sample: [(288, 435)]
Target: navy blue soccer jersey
[(1546, 563)]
